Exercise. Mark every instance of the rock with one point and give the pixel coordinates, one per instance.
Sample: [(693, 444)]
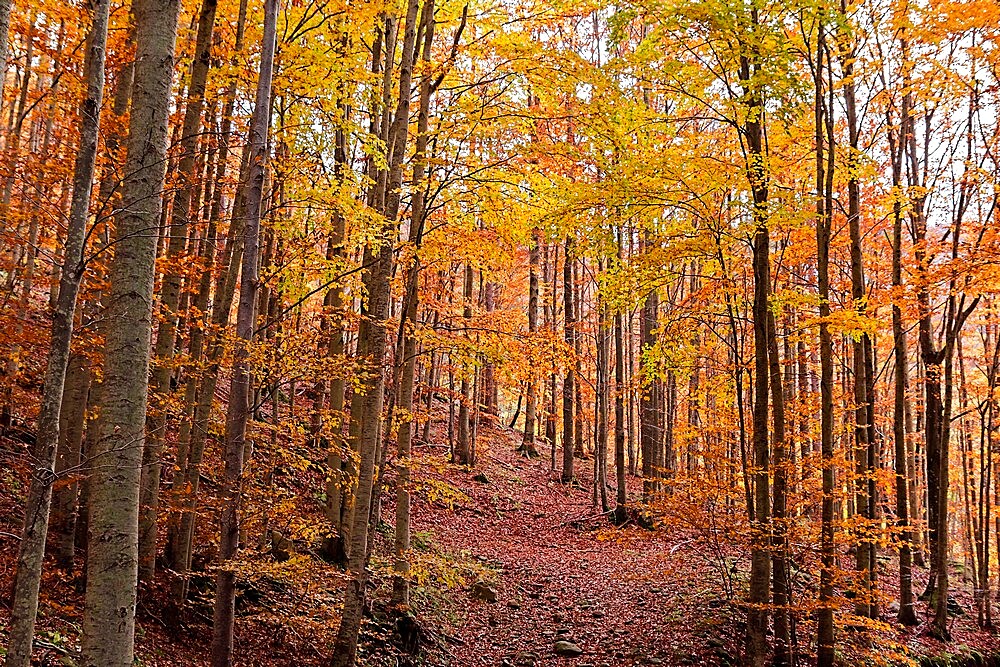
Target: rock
[(566, 649), (654, 590), (514, 604), (894, 606), (954, 608), (598, 614), (525, 659), (563, 632), (481, 478), (483, 591)]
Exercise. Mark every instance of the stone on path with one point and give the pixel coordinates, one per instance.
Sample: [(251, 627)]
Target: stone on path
[(567, 649), (483, 591), (525, 659)]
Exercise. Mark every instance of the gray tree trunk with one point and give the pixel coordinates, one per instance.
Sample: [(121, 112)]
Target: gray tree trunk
[(530, 407), (368, 400), (5, 8), (569, 334), (238, 412), (112, 563), (27, 578), (62, 523), (187, 476), (401, 567), (170, 289), (463, 450)]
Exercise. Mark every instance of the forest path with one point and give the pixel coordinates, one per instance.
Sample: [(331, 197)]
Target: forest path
[(561, 571)]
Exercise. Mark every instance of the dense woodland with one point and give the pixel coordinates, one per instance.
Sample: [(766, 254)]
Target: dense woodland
[(282, 281)]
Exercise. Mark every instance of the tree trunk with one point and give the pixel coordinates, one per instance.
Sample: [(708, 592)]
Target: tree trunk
[(824, 214), (62, 524), (170, 289), (760, 562), (621, 498), (528, 441), (27, 577), (238, 412), (463, 450), (648, 397), (569, 331), (112, 560), (906, 614), (370, 396), (781, 580), (401, 567)]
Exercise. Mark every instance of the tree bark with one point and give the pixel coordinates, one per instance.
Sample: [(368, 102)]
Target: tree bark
[(569, 332), (27, 577), (238, 412), (112, 562), (369, 398), (760, 562), (825, 637), (170, 289), (401, 566), (906, 614), (528, 441)]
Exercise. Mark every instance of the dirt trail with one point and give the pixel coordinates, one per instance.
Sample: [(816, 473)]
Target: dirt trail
[(623, 596)]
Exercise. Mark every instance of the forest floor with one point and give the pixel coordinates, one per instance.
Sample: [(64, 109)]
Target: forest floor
[(507, 563), (562, 572)]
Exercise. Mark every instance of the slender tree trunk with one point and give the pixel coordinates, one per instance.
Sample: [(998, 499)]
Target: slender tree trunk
[(5, 8), (27, 577), (188, 474), (781, 581), (649, 397), (528, 441), (621, 497), (569, 331), (825, 637), (401, 567), (906, 614), (170, 289), (866, 603), (551, 425), (463, 451), (238, 412), (370, 397), (603, 387), (760, 561), (62, 523)]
